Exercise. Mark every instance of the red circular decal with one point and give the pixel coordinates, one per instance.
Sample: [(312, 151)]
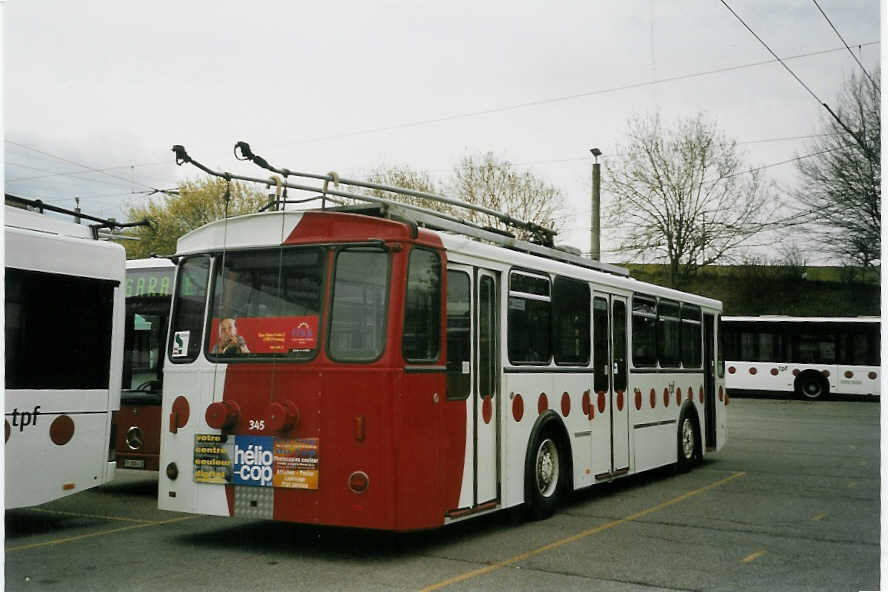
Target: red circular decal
[(796, 372), (731, 369), (638, 399), (721, 394), (586, 403), (753, 371), (849, 374), (542, 403), (517, 407), (487, 408), (826, 373), (774, 371), (678, 396), (666, 397), (181, 412), (565, 404), (601, 401), (619, 400), (691, 394), (61, 430), (701, 394), (653, 398), (872, 375)]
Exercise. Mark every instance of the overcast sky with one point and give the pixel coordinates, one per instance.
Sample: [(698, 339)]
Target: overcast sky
[(349, 86)]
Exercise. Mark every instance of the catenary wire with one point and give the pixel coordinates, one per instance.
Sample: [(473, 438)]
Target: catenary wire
[(842, 39), (130, 181), (567, 97)]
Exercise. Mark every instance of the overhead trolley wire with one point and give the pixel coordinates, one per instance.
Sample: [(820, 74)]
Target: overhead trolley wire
[(839, 35), (77, 172), (93, 169), (841, 123), (568, 97)]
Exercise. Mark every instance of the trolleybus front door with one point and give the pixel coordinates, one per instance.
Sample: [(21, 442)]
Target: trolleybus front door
[(609, 351), (486, 391)]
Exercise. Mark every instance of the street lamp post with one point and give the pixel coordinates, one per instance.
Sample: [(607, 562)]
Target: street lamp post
[(595, 244)]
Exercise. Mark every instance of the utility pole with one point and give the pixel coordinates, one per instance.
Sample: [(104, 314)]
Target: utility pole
[(595, 244)]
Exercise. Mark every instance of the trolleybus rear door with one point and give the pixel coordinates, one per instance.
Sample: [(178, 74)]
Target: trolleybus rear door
[(486, 392), (609, 351), (709, 379)]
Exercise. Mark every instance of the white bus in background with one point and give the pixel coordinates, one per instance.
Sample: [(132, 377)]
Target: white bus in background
[(64, 351), (148, 289), (810, 356)]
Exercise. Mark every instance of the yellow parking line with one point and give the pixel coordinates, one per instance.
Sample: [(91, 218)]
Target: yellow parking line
[(852, 484), (79, 515), (818, 517), (753, 556), (576, 537), (96, 534)]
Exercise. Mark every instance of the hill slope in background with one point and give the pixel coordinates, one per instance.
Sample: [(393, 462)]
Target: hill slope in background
[(761, 289)]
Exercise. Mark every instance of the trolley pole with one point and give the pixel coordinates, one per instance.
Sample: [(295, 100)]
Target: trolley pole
[(595, 244)]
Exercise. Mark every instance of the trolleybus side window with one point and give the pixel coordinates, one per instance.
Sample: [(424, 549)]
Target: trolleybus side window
[(570, 323), (600, 322), (75, 313), (422, 307), (859, 344), (644, 332), (691, 335), (188, 309), (358, 317), (458, 335), (621, 375), (529, 314), (267, 304), (668, 334)]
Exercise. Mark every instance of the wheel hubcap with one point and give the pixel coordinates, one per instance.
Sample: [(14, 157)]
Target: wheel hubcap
[(547, 468), (687, 439), (812, 389)]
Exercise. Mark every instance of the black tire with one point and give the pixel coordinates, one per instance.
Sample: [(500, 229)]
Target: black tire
[(811, 387), (544, 474), (688, 441)]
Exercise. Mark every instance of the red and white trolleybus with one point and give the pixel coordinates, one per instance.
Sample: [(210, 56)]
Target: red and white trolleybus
[(395, 368)]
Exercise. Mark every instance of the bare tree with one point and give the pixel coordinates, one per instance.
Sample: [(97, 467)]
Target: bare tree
[(841, 191), (487, 181), (406, 178), (681, 196), (482, 180)]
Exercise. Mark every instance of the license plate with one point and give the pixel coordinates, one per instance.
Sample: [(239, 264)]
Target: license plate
[(131, 463)]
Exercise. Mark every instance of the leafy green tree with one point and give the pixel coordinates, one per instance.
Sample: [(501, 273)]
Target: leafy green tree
[(199, 201)]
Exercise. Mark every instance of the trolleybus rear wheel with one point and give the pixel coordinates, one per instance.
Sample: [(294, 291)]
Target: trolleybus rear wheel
[(811, 386), (688, 441)]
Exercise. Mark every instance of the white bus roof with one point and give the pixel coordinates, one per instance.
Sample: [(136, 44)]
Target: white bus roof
[(150, 263), (36, 242), (28, 220)]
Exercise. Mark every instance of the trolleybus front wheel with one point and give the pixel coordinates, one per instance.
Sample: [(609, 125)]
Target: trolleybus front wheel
[(544, 475)]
